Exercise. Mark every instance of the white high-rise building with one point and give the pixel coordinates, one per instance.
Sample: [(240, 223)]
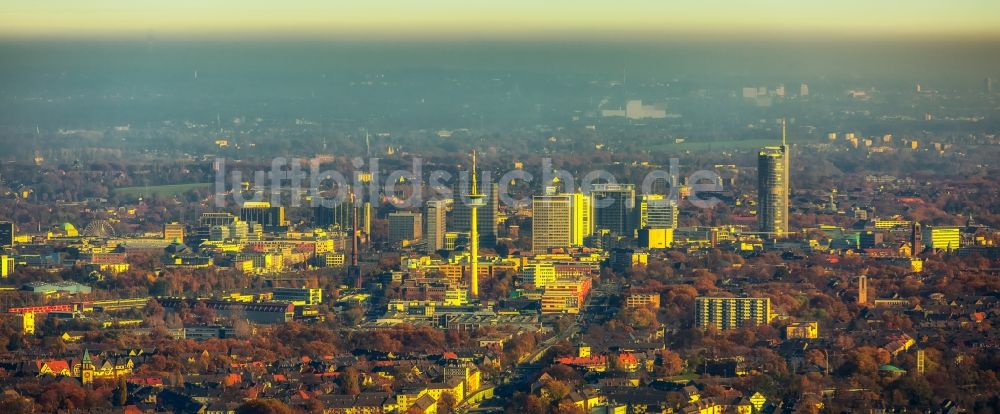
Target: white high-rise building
[(552, 221)]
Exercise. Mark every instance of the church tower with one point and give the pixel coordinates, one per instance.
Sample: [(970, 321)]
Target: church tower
[(86, 368)]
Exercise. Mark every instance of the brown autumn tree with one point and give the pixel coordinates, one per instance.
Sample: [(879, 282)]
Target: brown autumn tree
[(264, 406)]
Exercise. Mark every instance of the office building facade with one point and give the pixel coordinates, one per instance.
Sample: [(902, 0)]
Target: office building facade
[(613, 208), (656, 211), (772, 191), (583, 218), (263, 213), (436, 215), (551, 222), (405, 227), (6, 234)]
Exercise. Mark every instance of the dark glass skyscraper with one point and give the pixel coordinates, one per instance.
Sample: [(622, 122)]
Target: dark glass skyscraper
[(6, 234), (263, 213), (613, 208)]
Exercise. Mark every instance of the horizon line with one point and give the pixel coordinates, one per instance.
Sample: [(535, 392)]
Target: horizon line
[(641, 36)]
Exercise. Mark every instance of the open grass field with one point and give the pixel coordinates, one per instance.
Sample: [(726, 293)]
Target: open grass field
[(159, 190)]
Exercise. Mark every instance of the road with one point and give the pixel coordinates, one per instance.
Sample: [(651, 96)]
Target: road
[(530, 366)]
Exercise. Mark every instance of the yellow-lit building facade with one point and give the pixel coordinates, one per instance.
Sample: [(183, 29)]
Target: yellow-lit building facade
[(802, 330), (6, 266), (732, 313), (637, 300), (583, 218), (943, 238)]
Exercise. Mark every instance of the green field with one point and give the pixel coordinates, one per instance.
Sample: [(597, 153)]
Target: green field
[(159, 190)]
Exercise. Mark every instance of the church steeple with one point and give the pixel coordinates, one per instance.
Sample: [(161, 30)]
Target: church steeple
[(86, 368)]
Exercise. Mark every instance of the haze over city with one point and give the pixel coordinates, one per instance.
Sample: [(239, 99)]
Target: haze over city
[(521, 19), (521, 207)]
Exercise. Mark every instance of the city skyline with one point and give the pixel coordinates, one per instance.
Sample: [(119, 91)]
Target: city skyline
[(448, 207)]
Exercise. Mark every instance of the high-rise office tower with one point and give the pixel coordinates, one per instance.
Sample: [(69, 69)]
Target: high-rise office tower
[(613, 205), (486, 214), (583, 218), (354, 269), (405, 226), (988, 86), (772, 188), (551, 221), (6, 234), (656, 211), (436, 215), (365, 218)]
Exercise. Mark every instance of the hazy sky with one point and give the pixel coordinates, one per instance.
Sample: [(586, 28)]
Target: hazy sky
[(511, 18)]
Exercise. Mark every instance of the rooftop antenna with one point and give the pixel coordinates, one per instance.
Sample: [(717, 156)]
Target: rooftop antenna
[(782, 132), (368, 145)]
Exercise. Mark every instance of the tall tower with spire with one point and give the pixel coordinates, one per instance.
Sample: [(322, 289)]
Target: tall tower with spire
[(475, 201)]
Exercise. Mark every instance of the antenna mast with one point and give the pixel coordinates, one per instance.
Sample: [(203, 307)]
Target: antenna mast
[(782, 132)]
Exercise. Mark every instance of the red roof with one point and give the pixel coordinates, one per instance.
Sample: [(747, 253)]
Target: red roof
[(152, 381), (584, 361), (56, 365), (627, 358)]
